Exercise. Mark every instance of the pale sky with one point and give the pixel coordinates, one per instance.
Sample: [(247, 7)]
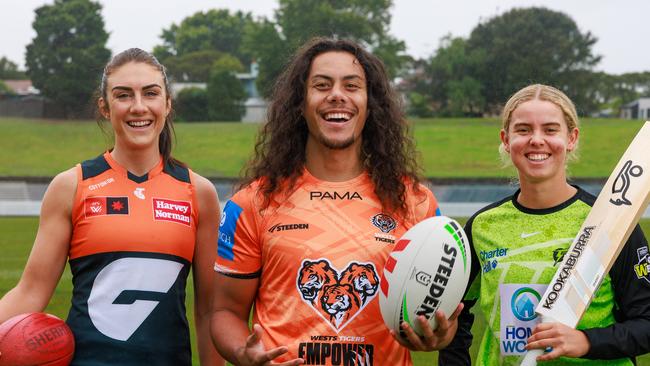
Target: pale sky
[(621, 26)]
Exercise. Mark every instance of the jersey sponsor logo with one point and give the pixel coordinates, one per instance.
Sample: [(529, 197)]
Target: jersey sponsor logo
[(641, 269), (523, 303), (622, 183), (518, 317), (338, 297), (285, 227), (127, 291), (337, 352), (101, 184), (227, 228), (489, 258), (317, 195), (169, 210), (102, 206), (139, 192), (574, 255)]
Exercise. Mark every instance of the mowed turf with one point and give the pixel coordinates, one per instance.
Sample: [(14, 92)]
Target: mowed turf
[(451, 148), (16, 242)]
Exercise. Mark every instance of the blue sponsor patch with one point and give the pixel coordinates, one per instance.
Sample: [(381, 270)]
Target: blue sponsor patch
[(438, 213), (227, 228)]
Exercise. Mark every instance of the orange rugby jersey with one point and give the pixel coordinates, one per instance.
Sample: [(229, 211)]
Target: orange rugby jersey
[(319, 254), (130, 254)]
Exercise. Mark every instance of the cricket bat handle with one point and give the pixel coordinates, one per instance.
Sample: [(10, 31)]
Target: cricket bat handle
[(531, 357)]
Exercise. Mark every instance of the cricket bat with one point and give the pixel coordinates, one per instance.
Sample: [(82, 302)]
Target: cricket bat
[(603, 234)]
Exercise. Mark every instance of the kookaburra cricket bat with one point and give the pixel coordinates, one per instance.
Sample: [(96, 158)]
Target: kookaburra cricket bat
[(603, 234)]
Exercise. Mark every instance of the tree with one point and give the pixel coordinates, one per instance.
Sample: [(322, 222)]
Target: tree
[(9, 70), (225, 93), (200, 39), (267, 44), (443, 84), (192, 105), (529, 45), (5, 90), (296, 21), (66, 57), (192, 66)]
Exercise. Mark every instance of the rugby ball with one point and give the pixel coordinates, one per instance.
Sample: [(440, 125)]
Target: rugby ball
[(427, 270), (35, 339)]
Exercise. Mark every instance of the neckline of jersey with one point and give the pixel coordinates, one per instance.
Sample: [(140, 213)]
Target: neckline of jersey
[(359, 180), (124, 172), (548, 210)]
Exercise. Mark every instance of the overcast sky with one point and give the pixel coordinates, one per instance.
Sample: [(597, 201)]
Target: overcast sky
[(621, 26)]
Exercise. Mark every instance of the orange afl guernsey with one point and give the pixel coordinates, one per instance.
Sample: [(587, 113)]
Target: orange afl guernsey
[(130, 254), (318, 254)]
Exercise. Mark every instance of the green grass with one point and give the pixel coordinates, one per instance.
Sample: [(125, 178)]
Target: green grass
[(449, 147), (16, 242)]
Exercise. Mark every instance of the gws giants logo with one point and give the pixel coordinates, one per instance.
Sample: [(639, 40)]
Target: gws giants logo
[(337, 298), (622, 183)]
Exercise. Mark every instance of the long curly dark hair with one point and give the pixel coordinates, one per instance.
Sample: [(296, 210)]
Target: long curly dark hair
[(388, 152)]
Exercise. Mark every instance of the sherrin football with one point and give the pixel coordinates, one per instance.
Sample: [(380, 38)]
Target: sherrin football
[(427, 270), (35, 339)]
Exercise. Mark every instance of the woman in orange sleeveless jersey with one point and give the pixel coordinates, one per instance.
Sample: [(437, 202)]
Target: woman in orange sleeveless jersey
[(132, 222)]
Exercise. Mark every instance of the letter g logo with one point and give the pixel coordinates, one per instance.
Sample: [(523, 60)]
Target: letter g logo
[(119, 319)]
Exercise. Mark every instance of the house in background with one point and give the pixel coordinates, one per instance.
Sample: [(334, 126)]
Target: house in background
[(255, 105), (639, 109), (21, 87), (25, 101)]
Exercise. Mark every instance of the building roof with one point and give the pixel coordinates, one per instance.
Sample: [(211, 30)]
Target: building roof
[(21, 87), (644, 100)]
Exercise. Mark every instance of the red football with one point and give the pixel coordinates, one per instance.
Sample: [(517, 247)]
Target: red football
[(35, 339)]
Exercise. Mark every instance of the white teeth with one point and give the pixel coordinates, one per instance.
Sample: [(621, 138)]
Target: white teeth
[(538, 157), (138, 123), (343, 116)]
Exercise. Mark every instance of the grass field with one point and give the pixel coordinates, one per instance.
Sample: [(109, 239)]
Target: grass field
[(449, 147), (16, 241)]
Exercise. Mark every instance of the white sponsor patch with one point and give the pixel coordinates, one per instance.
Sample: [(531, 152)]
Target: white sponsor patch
[(518, 318), (169, 210)]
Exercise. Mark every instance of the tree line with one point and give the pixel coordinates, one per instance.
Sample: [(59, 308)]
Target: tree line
[(469, 76)]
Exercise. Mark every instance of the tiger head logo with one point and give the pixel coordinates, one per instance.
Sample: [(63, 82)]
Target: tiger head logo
[(337, 296), (363, 278), (339, 302), (384, 222), (313, 276)]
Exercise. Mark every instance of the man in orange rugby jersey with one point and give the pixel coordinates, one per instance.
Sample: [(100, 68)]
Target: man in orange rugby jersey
[(331, 187)]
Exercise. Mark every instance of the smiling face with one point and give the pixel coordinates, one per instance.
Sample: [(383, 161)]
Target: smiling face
[(336, 101), (137, 104), (538, 141)]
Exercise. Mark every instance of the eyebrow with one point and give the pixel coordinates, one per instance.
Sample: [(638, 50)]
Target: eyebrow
[(347, 77), (143, 88)]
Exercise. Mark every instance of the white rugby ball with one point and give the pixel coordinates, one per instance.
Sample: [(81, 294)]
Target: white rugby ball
[(427, 270)]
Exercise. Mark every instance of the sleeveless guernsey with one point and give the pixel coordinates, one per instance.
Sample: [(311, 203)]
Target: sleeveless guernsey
[(132, 246)]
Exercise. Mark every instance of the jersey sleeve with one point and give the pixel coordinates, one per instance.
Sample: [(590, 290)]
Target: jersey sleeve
[(629, 336), (427, 207), (457, 352), (239, 247)]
